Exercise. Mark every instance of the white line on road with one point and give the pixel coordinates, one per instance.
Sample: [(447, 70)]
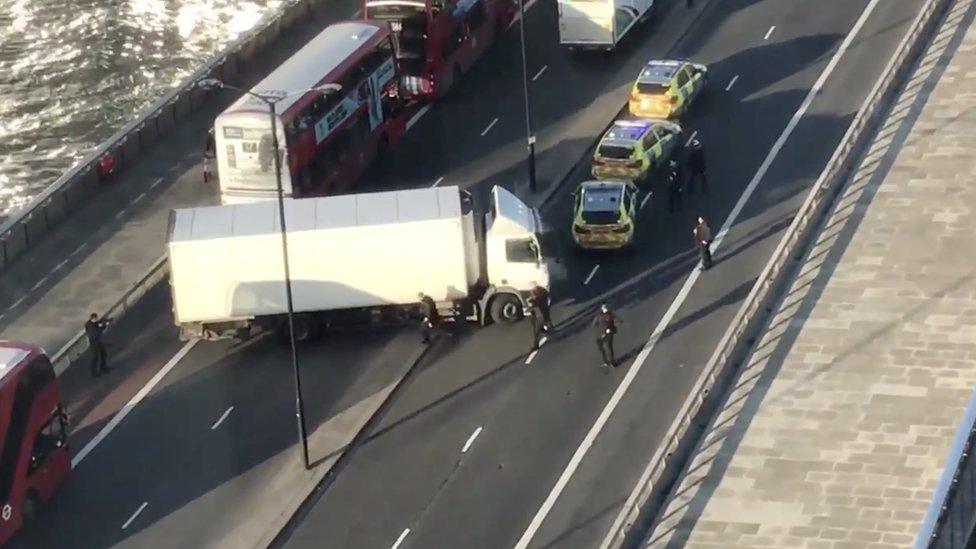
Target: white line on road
[(538, 74), (769, 32), (77, 250), (133, 402), (438, 182), (121, 213), (490, 126), (646, 198), (156, 182), (138, 198), (403, 536), (38, 284), (62, 264), (528, 360), (467, 445), (415, 118), (593, 272), (731, 82), (692, 138), (134, 515), (222, 418), (18, 302), (618, 394)]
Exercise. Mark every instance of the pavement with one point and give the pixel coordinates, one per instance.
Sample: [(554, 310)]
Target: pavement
[(199, 483), (837, 431)]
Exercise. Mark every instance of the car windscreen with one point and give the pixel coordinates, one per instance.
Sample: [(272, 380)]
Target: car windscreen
[(619, 152), (651, 88), (601, 206)]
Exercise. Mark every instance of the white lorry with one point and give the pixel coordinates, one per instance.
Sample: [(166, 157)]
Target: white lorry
[(599, 24), (352, 258)]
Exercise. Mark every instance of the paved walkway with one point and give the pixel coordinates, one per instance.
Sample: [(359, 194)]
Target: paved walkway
[(837, 431)]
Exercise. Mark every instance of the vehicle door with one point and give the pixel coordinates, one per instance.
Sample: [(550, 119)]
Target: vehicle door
[(685, 87), (666, 141), (630, 201), (651, 143), (697, 79)]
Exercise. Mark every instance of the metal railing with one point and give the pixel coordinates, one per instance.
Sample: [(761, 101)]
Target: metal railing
[(79, 343), (644, 502), (25, 228)]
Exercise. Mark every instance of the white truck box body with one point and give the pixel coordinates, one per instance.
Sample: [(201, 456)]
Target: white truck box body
[(598, 23), (344, 252)]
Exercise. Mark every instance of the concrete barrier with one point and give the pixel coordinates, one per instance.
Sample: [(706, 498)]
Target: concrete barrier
[(649, 495), (25, 228)]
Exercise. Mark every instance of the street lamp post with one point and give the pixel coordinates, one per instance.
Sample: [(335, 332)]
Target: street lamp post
[(271, 101), (530, 139)]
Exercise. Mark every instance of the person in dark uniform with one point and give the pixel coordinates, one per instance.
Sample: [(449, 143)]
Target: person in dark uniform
[(675, 186), (209, 154), (431, 318), (703, 239), (539, 299), (606, 324), (696, 167), (94, 329)]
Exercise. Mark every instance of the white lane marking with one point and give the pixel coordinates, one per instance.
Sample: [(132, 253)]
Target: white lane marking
[(415, 118), (692, 138), (646, 198), (120, 214), (133, 402), (538, 74), (18, 302), (156, 182), (62, 264), (38, 284), (403, 536), (467, 445), (134, 515), (731, 82), (769, 32), (618, 394), (531, 356), (438, 182), (490, 126), (222, 418), (517, 15), (78, 250), (138, 198), (593, 272)]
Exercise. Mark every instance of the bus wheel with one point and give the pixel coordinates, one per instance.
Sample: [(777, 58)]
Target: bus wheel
[(506, 308)]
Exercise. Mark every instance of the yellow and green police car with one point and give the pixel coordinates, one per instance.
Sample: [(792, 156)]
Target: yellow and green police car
[(604, 213), (665, 89), (632, 149)]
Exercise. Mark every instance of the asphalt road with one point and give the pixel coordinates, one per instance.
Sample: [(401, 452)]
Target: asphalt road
[(198, 482)]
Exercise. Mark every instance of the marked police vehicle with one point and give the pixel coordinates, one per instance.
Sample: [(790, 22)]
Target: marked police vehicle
[(604, 214), (633, 149), (665, 88)]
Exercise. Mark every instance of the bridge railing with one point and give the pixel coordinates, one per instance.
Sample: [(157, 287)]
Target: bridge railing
[(665, 466)]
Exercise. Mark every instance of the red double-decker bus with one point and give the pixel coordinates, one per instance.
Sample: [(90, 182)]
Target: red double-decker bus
[(329, 138), (438, 40), (34, 460)]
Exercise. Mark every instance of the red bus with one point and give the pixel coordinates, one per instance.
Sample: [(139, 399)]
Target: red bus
[(35, 459), (329, 138), (438, 40)]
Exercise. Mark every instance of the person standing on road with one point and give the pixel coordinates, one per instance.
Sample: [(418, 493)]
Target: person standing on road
[(696, 167), (675, 186), (606, 324), (539, 300), (94, 329), (209, 154), (432, 319), (703, 239)]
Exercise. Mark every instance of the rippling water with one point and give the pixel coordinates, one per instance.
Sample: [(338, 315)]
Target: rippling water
[(72, 72)]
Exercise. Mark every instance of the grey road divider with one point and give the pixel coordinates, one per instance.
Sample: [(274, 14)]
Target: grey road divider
[(666, 465), (25, 228), (79, 343)]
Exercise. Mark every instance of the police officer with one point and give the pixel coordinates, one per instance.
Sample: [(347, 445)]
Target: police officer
[(539, 300), (209, 154), (432, 319), (606, 324), (675, 186), (703, 239), (93, 329), (696, 167)]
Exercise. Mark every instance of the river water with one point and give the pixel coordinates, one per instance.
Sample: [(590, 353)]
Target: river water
[(72, 72)]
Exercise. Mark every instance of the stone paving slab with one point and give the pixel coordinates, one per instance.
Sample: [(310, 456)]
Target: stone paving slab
[(836, 432)]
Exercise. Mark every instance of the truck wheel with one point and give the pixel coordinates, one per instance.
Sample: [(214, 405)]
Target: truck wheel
[(506, 308), (304, 329)]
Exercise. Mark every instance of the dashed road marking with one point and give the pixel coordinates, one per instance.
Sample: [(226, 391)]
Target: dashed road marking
[(467, 445), (38, 284), (438, 182), (647, 197), (78, 250), (18, 302), (134, 515), (731, 82), (538, 74), (531, 357), (692, 138), (121, 213), (403, 536), (769, 32), (593, 272), (62, 264), (222, 418), (416, 118), (138, 198), (156, 182), (490, 126)]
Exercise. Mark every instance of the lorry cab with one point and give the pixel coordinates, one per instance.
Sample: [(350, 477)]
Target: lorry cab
[(513, 254)]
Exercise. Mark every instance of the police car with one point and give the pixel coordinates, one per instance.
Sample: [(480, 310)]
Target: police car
[(665, 89), (604, 213), (632, 149)]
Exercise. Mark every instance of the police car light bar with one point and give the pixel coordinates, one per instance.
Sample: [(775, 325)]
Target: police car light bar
[(632, 123)]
